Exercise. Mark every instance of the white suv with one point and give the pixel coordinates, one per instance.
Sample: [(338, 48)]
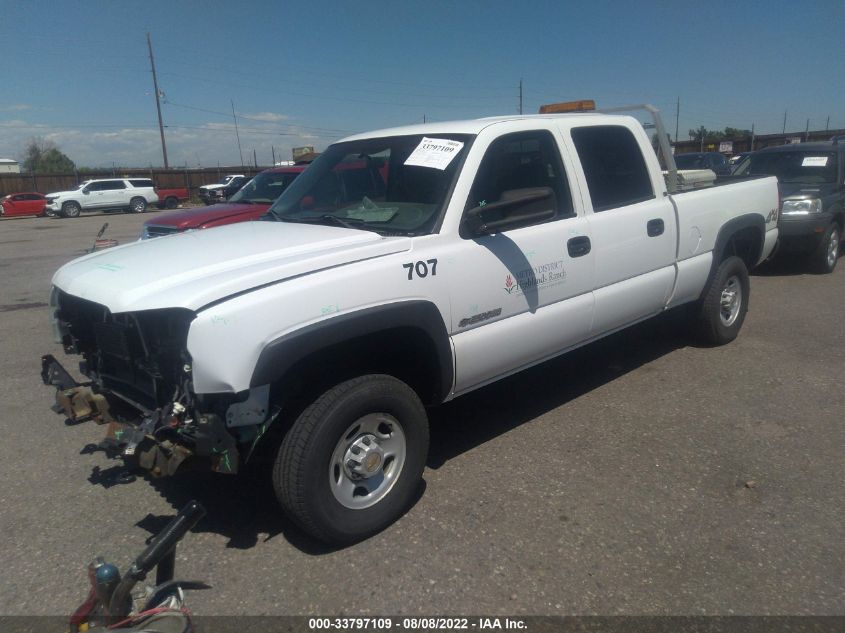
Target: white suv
[(129, 194)]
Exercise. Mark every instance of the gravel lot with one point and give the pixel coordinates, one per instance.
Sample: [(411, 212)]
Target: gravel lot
[(639, 475)]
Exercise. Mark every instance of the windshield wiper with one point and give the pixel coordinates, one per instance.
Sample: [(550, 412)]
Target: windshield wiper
[(349, 223)]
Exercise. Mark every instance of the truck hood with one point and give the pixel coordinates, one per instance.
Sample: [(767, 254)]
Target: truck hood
[(62, 194), (190, 270), (195, 218), (212, 187)]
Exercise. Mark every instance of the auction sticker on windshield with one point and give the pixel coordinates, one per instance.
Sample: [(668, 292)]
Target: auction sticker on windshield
[(814, 161), (434, 152)]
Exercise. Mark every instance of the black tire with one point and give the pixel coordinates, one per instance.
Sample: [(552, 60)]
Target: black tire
[(823, 259), (171, 203), (306, 462), (719, 314), (137, 205), (71, 209)]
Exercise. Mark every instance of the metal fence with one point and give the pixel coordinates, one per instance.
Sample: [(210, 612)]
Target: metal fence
[(191, 179)]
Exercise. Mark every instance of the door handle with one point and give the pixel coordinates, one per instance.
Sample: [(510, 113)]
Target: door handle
[(655, 227), (578, 246)]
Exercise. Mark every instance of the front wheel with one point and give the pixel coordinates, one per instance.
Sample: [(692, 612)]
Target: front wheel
[(71, 209), (824, 258), (353, 460), (137, 205), (719, 315)]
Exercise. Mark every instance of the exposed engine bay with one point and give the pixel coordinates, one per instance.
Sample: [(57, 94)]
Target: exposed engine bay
[(140, 387)]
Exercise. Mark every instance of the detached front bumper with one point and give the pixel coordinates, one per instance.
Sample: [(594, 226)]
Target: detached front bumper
[(158, 441)]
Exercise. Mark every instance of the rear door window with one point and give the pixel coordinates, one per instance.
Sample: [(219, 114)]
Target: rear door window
[(614, 166)]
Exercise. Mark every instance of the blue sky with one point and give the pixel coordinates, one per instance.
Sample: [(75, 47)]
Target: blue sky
[(306, 73)]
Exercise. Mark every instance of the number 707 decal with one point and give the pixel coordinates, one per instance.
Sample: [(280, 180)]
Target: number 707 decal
[(421, 268)]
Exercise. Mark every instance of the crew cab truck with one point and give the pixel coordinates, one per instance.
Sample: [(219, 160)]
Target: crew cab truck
[(470, 251), (221, 190), (812, 184)]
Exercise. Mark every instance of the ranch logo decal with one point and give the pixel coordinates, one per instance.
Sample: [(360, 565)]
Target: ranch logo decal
[(541, 276)]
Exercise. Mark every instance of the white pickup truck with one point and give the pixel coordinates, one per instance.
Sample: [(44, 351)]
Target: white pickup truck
[(464, 252)]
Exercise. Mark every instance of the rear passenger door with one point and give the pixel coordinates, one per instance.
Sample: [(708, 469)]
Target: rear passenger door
[(633, 229), (116, 194)]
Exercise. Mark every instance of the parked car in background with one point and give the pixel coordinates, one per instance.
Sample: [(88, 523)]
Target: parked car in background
[(249, 203), (28, 203), (811, 177), (170, 198), (736, 159), (129, 194), (704, 160), (220, 191)]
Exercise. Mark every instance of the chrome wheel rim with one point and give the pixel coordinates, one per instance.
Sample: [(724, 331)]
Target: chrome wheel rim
[(367, 461), (832, 249), (730, 301), (138, 206)]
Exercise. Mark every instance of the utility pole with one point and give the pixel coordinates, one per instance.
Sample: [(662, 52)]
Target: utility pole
[(255, 158), (158, 102), (827, 125), (752, 138), (784, 121), (273, 149), (677, 116), (807, 132), (520, 95), (237, 135)]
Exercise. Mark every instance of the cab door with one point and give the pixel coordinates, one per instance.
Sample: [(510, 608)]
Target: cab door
[(523, 292), (632, 223)]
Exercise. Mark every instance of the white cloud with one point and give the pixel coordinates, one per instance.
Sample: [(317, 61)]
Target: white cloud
[(17, 107), (271, 117), (196, 145)]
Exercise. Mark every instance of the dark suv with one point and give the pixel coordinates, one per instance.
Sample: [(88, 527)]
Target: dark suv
[(812, 185)]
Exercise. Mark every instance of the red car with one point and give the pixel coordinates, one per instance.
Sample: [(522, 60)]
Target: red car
[(29, 203), (250, 203)]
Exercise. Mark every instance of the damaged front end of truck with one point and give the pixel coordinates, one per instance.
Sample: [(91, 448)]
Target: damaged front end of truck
[(140, 388)]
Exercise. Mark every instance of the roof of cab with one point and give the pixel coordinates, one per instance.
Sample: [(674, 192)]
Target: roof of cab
[(475, 126)]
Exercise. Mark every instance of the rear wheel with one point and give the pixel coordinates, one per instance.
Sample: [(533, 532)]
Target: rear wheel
[(719, 315), (353, 460), (71, 209), (824, 258), (137, 205), (171, 203)]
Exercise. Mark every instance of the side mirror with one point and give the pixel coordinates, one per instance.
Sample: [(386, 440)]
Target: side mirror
[(86, 191), (515, 208)]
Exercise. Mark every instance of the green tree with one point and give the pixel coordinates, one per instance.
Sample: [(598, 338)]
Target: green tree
[(713, 136), (44, 157)]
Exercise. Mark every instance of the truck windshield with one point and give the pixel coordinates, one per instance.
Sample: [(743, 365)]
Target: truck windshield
[(792, 167), (264, 188), (396, 185)]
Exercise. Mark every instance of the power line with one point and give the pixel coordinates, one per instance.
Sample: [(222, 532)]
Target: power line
[(248, 118)]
